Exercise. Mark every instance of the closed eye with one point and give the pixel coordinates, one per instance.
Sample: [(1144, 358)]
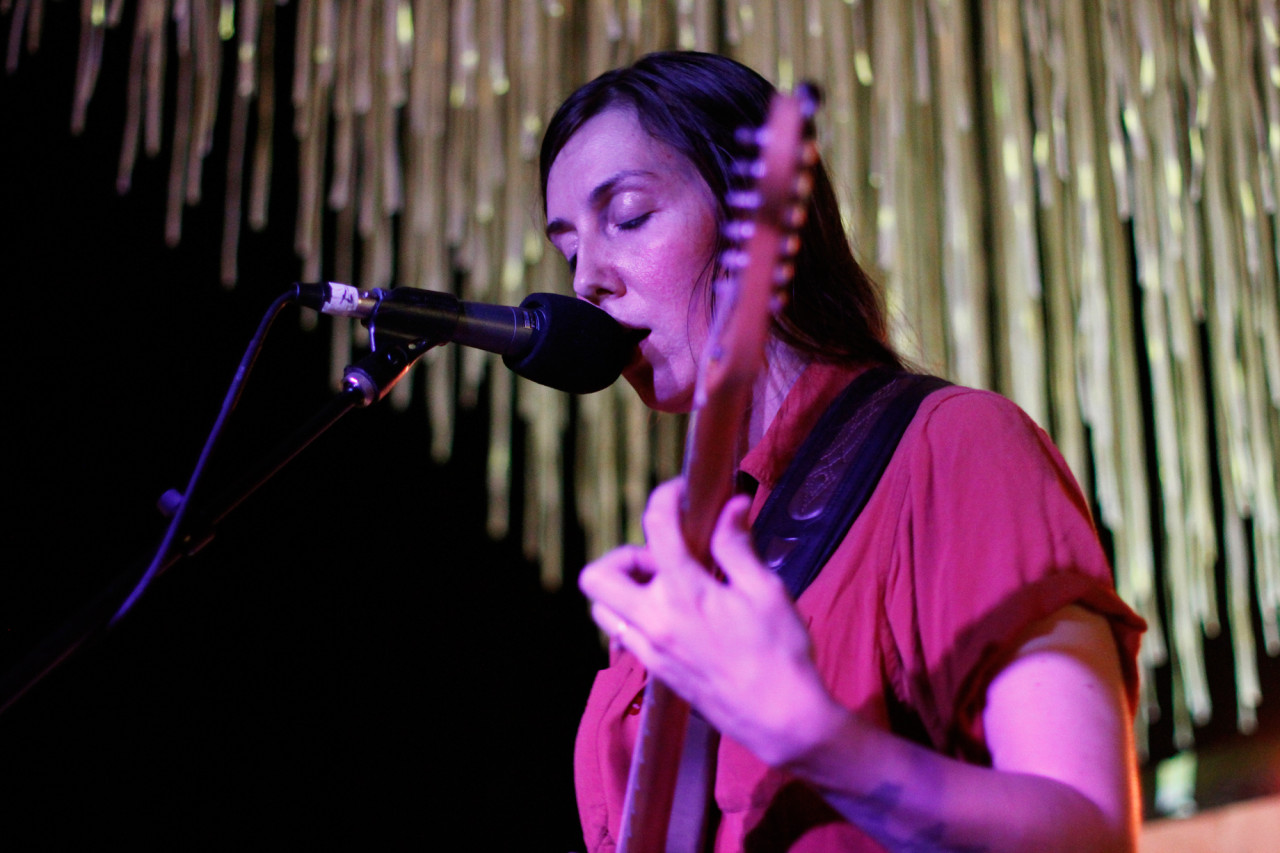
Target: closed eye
[(633, 224)]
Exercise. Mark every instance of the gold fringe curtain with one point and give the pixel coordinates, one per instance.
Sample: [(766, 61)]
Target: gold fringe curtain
[(1073, 203)]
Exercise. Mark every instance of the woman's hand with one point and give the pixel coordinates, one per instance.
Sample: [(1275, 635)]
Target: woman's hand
[(1055, 715), (735, 650)]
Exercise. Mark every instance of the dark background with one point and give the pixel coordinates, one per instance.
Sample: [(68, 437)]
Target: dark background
[(351, 660)]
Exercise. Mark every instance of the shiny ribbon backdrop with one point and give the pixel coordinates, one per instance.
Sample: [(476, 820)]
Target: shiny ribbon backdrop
[(1073, 203)]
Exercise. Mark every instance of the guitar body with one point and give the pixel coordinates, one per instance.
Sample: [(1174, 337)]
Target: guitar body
[(671, 760)]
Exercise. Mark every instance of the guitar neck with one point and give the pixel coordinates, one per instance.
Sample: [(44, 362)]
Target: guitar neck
[(655, 769), (662, 765), (711, 462), (652, 820)]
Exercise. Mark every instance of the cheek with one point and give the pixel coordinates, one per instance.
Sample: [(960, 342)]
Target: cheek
[(681, 277)]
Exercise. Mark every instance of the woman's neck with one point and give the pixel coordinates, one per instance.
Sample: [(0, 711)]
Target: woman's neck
[(784, 366)]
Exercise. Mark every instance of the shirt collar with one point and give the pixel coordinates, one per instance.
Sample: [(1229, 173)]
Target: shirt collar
[(804, 404)]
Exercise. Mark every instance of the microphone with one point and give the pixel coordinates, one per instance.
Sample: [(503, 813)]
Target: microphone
[(558, 341)]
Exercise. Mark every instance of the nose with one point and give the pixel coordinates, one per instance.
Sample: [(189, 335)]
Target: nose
[(594, 278)]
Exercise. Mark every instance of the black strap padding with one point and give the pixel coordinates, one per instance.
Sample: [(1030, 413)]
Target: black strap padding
[(835, 471)]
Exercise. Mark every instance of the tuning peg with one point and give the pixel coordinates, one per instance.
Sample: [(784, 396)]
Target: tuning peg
[(748, 138), (803, 187), (743, 199), (809, 154), (748, 170), (733, 260), (790, 246), (810, 95)]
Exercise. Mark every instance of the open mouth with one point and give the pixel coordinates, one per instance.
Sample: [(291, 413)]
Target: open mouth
[(639, 335)]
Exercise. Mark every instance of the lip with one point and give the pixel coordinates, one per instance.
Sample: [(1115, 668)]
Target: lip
[(638, 335), (638, 355)]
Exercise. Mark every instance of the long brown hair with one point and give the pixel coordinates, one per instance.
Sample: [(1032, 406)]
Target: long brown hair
[(695, 103)]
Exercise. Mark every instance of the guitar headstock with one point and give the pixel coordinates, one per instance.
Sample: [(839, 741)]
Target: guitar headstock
[(769, 205)]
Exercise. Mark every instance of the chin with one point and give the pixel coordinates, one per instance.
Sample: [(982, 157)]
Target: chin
[(660, 399)]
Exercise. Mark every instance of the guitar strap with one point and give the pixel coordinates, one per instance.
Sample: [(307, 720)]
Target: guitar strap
[(835, 471), (821, 492)]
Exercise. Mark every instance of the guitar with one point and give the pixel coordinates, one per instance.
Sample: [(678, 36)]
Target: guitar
[(759, 267)]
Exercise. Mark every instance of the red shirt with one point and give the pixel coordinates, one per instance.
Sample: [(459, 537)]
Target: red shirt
[(976, 530)]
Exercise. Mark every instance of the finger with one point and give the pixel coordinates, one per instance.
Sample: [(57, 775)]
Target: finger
[(612, 579), (661, 523), (612, 626), (664, 533), (733, 550), (625, 635), (618, 561), (606, 618)]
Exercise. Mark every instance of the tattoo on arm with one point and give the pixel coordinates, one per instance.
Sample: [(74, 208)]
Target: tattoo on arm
[(875, 815)]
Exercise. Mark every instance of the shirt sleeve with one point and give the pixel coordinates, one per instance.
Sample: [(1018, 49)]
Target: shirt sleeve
[(994, 534)]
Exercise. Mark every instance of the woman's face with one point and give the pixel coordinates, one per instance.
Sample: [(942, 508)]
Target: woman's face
[(637, 224)]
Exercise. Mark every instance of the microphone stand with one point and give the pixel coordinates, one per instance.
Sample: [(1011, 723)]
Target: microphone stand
[(364, 383)]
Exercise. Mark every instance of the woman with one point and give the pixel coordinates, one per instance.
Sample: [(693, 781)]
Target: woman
[(960, 674)]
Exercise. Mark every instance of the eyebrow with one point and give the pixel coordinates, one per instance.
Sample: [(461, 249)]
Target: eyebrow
[(602, 191)]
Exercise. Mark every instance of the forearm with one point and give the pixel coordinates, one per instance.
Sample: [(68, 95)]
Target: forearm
[(1054, 714), (911, 799)]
